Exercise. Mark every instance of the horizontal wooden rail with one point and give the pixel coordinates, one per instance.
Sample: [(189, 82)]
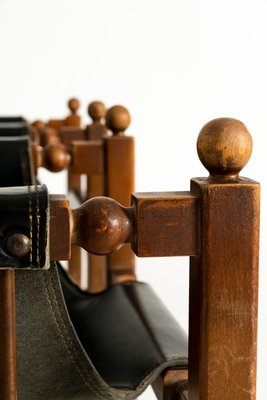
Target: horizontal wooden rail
[(101, 225)]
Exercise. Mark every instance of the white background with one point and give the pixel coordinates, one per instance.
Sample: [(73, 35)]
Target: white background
[(175, 64)]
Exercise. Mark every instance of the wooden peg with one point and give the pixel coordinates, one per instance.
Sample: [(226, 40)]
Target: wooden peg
[(118, 119)]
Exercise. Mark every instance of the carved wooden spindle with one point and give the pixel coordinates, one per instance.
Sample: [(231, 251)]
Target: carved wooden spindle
[(101, 225)]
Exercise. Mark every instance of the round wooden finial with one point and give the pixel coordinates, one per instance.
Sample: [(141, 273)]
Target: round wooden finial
[(73, 105), (97, 110), (38, 124), (118, 119), (101, 225), (48, 135), (55, 157), (224, 146)]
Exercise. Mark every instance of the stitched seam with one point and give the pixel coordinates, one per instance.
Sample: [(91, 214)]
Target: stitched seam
[(30, 221), (81, 373), (38, 228)]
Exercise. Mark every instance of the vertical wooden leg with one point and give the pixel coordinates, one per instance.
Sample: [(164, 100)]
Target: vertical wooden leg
[(8, 367), (224, 291), (75, 271)]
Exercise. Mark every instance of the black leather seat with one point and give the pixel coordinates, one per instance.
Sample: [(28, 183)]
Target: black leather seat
[(126, 331)]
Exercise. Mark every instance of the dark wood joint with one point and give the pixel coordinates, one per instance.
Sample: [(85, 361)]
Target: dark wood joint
[(60, 228)]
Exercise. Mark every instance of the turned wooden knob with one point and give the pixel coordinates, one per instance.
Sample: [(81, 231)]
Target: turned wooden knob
[(55, 157), (118, 119), (224, 146), (73, 105), (48, 136), (97, 110), (38, 124), (101, 225)]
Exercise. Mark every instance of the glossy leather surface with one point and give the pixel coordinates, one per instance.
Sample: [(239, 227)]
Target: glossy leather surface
[(13, 128), (24, 210), (15, 169), (126, 331), (10, 118), (121, 340)]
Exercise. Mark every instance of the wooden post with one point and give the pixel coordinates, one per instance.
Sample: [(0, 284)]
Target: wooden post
[(119, 182), (8, 362), (224, 278)]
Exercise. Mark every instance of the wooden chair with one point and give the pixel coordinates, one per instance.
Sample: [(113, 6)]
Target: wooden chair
[(217, 225), (105, 157)]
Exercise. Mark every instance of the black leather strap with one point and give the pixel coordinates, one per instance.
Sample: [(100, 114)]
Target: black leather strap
[(13, 128), (15, 168), (24, 210), (8, 118)]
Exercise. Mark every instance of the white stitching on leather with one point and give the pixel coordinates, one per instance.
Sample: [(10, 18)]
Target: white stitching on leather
[(38, 217), (30, 221)]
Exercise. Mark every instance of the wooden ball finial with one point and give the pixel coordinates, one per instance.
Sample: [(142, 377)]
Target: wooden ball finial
[(118, 119), (38, 124), (224, 146), (55, 157), (73, 105), (97, 110), (48, 136)]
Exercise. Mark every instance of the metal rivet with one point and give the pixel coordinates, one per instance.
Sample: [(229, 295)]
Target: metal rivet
[(18, 245)]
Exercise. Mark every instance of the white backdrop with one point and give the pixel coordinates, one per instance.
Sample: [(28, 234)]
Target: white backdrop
[(175, 65)]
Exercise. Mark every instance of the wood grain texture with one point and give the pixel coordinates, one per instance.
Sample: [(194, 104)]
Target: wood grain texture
[(60, 228), (165, 224), (87, 158), (8, 361), (224, 290), (69, 134), (119, 184)]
